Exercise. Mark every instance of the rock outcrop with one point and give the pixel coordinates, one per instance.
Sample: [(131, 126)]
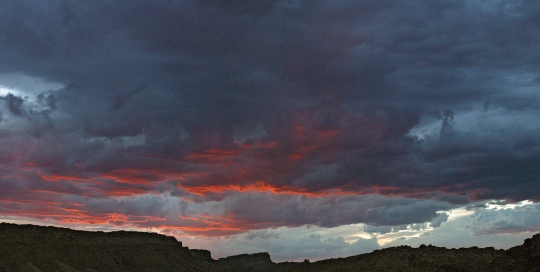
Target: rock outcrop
[(405, 258), (201, 254), (36, 248), (520, 258), (247, 262)]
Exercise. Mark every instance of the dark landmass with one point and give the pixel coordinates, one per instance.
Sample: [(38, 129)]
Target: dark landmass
[(37, 248)]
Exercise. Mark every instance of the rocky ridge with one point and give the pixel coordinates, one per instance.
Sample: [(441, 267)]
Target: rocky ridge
[(37, 248)]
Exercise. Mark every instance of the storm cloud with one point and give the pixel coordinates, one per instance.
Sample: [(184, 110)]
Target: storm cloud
[(268, 114)]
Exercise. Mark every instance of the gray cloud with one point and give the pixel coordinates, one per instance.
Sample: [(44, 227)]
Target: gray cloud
[(264, 234), (509, 220), (433, 223), (313, 98), (15, 105), (332, 211), (242, 6)]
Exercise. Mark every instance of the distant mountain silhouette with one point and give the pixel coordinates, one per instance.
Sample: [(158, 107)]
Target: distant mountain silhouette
[(37, 248)]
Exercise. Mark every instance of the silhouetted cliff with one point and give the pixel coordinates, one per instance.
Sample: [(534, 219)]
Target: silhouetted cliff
[(36, 248)]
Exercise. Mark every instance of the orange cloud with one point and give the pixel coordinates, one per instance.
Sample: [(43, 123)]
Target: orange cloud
[(58, 178)]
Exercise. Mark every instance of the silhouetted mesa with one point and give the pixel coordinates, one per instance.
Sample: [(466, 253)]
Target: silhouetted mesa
[(37, 248)]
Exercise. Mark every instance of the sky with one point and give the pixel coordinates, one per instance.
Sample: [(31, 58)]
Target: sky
[(307, 129)]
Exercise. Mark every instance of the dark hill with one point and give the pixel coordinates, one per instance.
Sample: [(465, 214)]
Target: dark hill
[(36, 248)]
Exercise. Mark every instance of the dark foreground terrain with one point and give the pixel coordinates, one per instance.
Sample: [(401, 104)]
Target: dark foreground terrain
[(36, 248)]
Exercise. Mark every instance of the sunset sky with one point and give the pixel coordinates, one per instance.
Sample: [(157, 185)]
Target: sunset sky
[(308, 129)]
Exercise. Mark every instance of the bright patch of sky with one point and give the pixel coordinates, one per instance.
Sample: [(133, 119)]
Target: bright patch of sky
[(25, 86)]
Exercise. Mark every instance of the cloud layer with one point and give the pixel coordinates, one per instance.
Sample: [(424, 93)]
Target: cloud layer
[(224, 117)]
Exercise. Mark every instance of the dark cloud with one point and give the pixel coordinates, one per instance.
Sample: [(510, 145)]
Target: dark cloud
[(15, 105), (433, 223), (242, 6), (48, 99), (384, 229), (424, 102), (332, 211), (121, 99)]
